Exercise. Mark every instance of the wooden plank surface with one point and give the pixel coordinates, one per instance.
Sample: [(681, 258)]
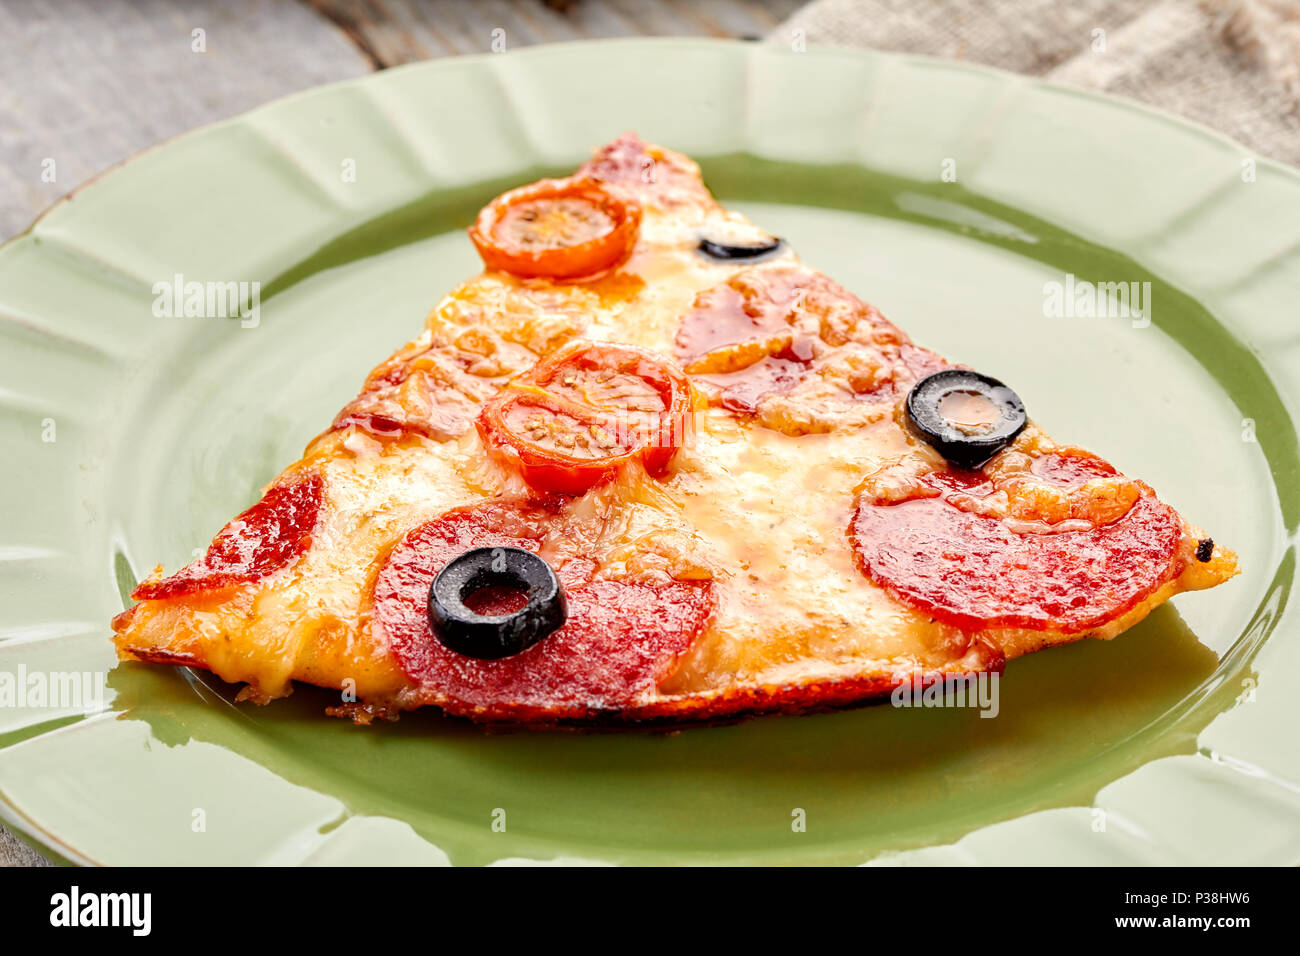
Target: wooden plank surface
[(402, 31), (86, 84)]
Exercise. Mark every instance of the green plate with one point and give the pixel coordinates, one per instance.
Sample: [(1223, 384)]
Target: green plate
[(132, 438)]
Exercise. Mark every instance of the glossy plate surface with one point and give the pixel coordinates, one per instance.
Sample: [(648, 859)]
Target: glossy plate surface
[(133, 437)]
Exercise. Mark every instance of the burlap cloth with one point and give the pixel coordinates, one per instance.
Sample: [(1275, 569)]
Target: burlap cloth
[(1233, 65)]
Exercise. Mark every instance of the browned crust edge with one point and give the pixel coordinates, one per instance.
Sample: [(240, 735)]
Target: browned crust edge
[(728, 705)]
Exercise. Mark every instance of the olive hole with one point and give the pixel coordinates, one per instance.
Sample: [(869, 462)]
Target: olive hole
[(493, 599), (491, 594), (969, 411)]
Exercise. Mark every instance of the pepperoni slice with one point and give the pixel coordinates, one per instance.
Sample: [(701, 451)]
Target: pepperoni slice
[(971, 570), (434, 390), (766, 329), (1071, 471), (621, 637), (263, 539), (647, 175)]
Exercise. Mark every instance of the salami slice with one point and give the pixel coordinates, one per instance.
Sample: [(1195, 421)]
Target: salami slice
[(768, 329), (648, 175), (426, 390), (973, 570), (263, 539), (620, 638)]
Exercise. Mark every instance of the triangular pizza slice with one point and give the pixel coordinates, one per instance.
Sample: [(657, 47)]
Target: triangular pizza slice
[(647, 466)]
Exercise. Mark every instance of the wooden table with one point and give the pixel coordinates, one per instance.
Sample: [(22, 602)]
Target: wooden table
[(86, 84), (89, 83)]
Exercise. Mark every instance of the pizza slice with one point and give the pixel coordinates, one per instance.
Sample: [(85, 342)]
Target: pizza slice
[(647, 466)]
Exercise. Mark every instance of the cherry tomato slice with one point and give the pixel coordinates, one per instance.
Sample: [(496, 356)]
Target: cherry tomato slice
[(557, 229), (573, 420)]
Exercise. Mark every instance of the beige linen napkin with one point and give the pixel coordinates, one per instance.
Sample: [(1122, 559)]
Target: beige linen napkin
[(1233, 65)]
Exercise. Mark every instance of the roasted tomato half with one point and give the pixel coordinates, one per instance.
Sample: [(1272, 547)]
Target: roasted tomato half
[(557, 229), (573, 420)]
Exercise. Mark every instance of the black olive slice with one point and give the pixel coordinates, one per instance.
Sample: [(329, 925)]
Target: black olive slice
[(749, 252), (966, 416), (491, 636)]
